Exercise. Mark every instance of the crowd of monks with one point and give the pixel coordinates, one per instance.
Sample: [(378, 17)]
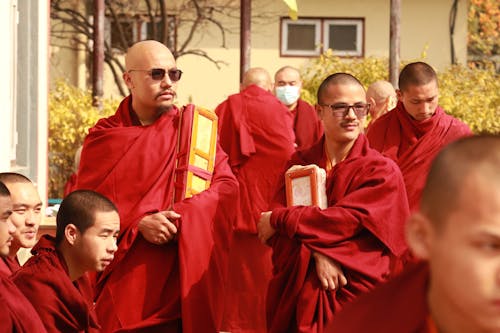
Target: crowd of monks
[(128, 257)]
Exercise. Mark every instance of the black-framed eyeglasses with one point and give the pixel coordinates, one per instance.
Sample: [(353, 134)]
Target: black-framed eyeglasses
[(158, 74), (340, 110)]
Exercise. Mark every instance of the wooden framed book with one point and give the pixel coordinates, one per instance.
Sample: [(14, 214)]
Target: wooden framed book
[(305, 186), (196, 149)]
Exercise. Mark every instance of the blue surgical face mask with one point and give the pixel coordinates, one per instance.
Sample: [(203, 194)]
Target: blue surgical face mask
[(288, 94)]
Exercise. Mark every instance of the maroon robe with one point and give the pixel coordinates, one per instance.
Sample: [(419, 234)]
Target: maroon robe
[(306, 125), (414, 144), (398, 306), (148, 287), (63, 305), (16, 312), (70, 185), (255, 131), (362, 230), (9, 265)]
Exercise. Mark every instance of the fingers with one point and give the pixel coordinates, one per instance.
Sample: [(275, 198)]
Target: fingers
[(342, 280), (171, 215)]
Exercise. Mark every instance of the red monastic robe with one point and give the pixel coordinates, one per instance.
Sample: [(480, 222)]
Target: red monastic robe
[(414, 144), (63, 305), (9, 265), (255, 131), (16, 312), (306, 125), (398, 306), (70, 185), (148, 287), (362, 230)]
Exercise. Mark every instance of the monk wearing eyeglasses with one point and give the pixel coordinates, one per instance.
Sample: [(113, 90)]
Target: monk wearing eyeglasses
[(414, 132), (168, 271), (325, 258)]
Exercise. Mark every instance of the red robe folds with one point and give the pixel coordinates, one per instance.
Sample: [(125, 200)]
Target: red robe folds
[(9, 265), (16, 312), (399, 306), (255, 131), (362, 230), (414, 144), (63, 306), (306, 125), (147, 287)]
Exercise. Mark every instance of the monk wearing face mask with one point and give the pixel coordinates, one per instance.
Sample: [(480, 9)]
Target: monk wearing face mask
[(306, 125)]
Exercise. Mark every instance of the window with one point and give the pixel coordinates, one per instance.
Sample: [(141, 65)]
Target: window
[(136, 29), (311, 36)]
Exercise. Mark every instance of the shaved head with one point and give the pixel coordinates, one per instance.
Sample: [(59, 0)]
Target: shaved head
[(258, 76), (380, 90), (13, 177), (288, 69), (138, 53), (416, 74), (476, 157), (335, 79)]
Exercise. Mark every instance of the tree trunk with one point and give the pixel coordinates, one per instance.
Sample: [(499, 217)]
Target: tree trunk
[(245, 27), (395, 28), (98, 53)]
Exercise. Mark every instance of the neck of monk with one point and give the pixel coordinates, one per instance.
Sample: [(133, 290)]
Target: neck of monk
[(75, 269), (337, 151)]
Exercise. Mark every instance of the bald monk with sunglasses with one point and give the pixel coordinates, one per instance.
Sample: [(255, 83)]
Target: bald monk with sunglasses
[(167, 274)]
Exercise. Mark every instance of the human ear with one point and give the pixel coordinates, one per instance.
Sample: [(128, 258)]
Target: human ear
[(399, 93), (128, 80), (71, 233), (419, 235)]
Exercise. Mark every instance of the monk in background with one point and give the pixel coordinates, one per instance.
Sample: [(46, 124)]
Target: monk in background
[(414, 132), (382, 98), (16, 312), (54, 279), (456, 234), (306, 125), (325, 258), (26, 216), (169, 270), (256, 133)]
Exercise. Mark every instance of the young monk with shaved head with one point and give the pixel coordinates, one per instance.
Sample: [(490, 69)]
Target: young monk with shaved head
[(456, 233), (16, 312), (256, 132), (169, 269), (325, 258), (306, 125), (26, 217), (418, 128)]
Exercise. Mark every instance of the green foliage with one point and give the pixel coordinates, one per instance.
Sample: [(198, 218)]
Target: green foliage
[(70, 115), (470, 94), (367, 70)]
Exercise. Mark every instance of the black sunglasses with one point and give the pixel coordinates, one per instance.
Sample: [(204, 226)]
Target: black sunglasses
[(158, 74)]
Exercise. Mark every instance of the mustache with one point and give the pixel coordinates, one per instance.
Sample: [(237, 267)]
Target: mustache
[(171, 92)]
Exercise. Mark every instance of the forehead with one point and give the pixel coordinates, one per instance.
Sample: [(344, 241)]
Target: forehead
[(288, 75), (23, 191), (152, 56), (421, 91), (106, 220), (344, 92)]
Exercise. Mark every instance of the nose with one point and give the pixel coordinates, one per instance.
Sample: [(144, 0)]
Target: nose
[(112, 246), (30, 217), (166, 81), (11, 227), (350, 113)]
